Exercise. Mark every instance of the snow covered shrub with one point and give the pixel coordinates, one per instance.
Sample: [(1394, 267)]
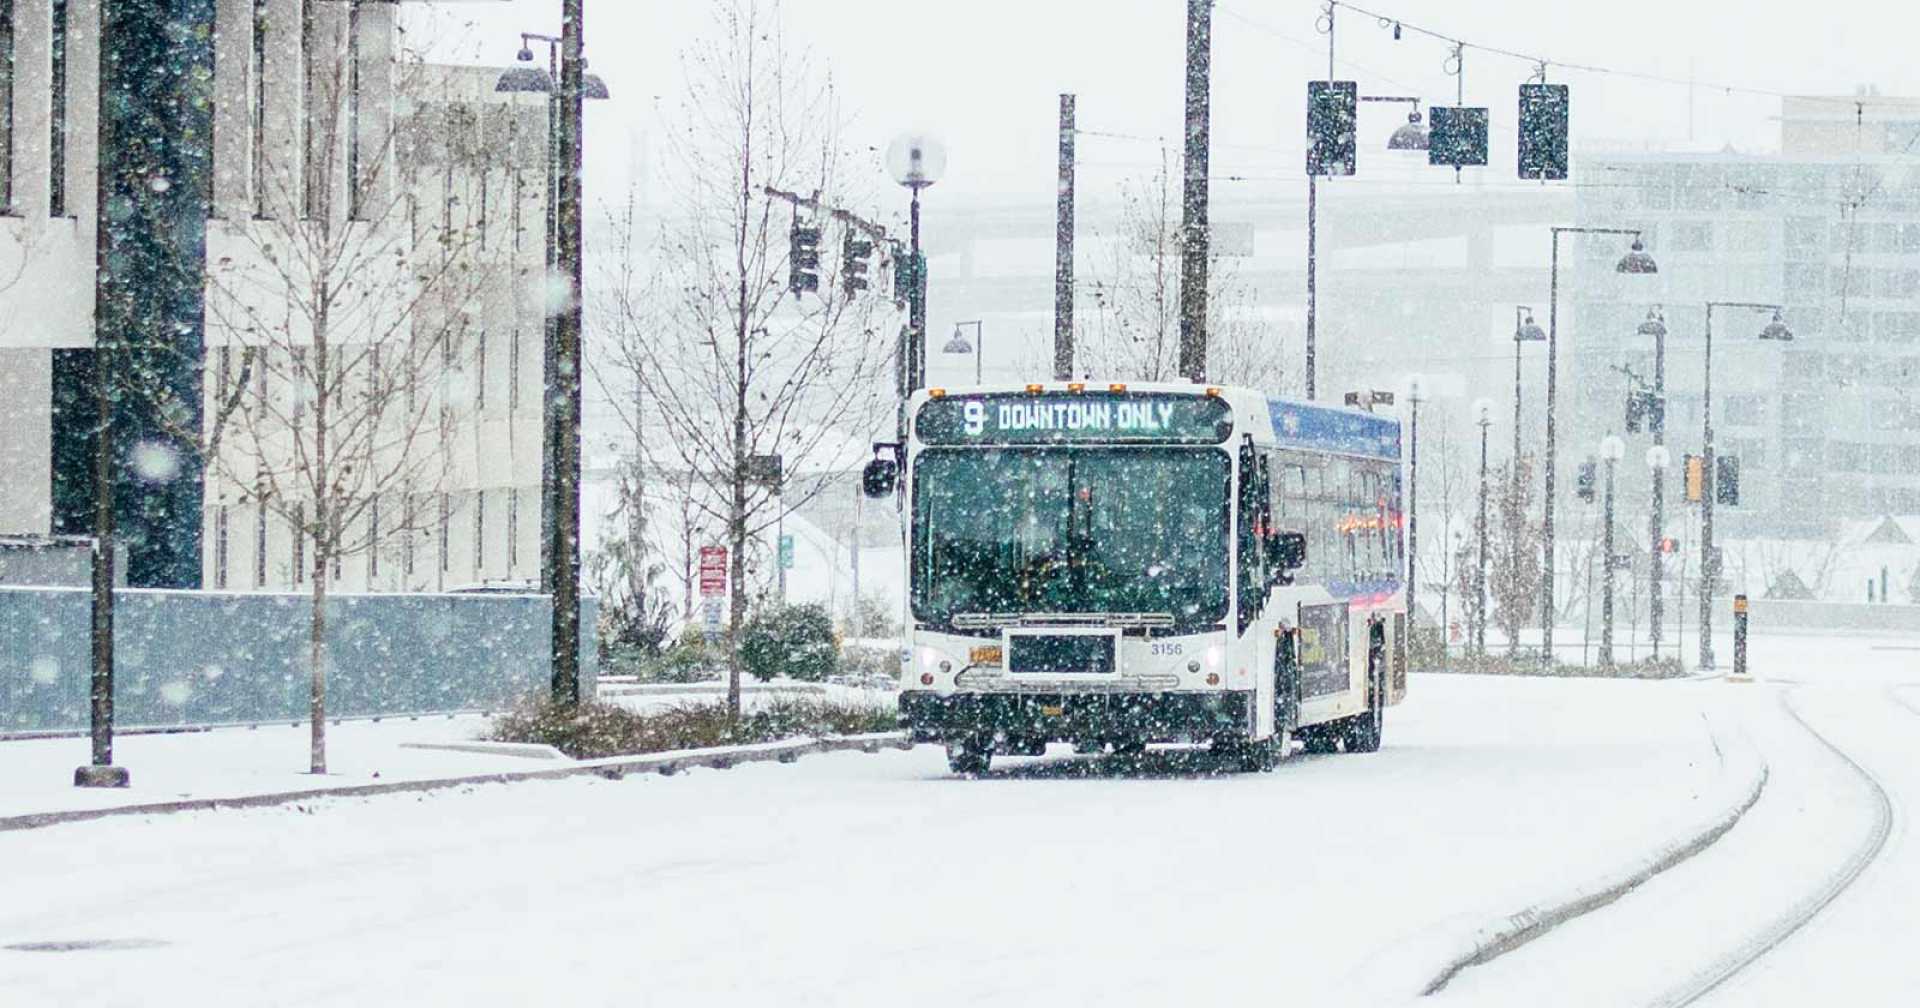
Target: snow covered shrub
[(794, 642)]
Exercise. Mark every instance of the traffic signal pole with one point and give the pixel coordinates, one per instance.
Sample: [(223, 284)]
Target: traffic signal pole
[(1063, 250), (1193, 223)]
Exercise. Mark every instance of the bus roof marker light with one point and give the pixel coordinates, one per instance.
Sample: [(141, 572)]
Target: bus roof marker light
[(937, 393), (1117, 387), (1213, 392), (1076, 386), (1035, 388)]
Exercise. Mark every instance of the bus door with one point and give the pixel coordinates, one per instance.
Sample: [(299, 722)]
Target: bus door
[(1323, 650)]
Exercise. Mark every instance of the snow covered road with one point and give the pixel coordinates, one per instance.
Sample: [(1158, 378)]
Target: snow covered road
[(1808, 900), (873, 879)]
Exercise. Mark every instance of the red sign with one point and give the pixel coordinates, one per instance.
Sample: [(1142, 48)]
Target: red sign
[(713, 571)]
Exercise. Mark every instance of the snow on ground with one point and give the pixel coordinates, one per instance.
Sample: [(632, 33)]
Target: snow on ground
[(853, 879), (37, 775), (1813, 815)]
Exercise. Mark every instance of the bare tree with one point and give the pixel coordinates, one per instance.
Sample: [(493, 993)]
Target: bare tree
[(734, 366), (352, 313), (1133, 330), (1443, 493), (1513, 582)]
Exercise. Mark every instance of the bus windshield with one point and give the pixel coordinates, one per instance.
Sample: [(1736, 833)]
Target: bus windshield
[(1009, 531)]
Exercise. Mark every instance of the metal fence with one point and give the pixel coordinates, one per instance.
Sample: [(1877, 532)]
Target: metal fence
[(187, 657)]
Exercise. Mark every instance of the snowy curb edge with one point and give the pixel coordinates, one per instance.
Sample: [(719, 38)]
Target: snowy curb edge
[(1739, 789), (615, 767)]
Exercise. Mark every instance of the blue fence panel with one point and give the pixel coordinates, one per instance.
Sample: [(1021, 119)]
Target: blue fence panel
[(185, 658)]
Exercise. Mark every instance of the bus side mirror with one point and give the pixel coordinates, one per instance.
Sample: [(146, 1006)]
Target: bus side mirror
[(878, 478), (1289, 550)]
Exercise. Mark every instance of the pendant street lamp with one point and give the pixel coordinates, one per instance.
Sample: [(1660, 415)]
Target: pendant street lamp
[(1612, 450), (1656, 327), (1483, 415), (1636, 261), (1411, 136), (1777, 331), (916, 161), (1657, 462), (959, 345)]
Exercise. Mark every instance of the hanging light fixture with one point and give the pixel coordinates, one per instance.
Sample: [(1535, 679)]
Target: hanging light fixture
[(1776, 329), (1412, 136), (1653, 326), (1637, 260)]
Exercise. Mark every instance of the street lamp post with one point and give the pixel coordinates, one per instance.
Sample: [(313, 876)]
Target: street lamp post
[(1636, 261), (567, 86), (1657, 460), (1483, 413), (916, 161), (1525, 330), (1411, 136), (1655, 327), (1612, 449), (959, 345), (1709, 570)]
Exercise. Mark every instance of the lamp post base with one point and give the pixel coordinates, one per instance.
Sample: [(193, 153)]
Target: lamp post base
[(101, 776)]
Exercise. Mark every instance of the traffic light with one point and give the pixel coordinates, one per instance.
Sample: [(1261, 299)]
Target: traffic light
[(1332, 111), (853, 264), (803, 259), (1543, 131), (1726, 480), (1636, 409), (907, 268), (1458, 136), (1583, 482), (1695, 468)]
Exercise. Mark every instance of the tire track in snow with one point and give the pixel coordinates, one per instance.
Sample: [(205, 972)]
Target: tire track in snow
[(1784, 927)]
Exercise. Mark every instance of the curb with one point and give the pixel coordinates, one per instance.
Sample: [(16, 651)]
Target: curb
[(1740, 788), (612, 767)]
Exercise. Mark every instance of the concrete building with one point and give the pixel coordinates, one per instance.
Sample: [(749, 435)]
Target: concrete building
[(308, 163), (1830, 227)]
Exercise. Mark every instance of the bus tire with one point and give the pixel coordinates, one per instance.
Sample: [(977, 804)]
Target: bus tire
[(1319, 740), (969, 756), (1362, 732), (1245, 755)]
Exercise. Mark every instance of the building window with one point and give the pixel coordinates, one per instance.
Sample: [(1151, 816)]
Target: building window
[(446, 528), (257, 109), (57, 116), (260, 538), (1690, 236), (373, 540), (6, 106), (410, 512), (223, 378), (513, 371), (356, 196), (480, 370), (513, 530), (479, 532), (299, 524), (220, 548), (312, 184)]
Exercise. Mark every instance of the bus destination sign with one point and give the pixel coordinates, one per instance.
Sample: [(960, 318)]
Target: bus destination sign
[(1075, 418)]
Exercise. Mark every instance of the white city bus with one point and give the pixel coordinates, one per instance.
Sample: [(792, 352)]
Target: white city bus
[(1118, 564)]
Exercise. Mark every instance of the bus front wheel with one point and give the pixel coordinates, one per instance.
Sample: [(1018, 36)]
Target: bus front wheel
[(969, 756)]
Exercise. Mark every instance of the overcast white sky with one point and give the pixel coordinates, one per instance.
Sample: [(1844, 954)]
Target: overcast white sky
[(984, 75)]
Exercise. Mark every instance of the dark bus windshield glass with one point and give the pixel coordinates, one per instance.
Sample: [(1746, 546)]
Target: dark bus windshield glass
[(1071, 530)]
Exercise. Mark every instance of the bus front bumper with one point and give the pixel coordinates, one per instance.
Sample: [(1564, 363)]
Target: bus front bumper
[(1058, 717)]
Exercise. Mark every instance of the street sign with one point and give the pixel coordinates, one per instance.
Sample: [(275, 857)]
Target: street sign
[(710, 618), (713, 571), (786, 552)]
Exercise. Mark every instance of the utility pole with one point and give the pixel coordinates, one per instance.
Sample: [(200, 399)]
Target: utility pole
[(1063, 250), (563, 391), (1193, 230)]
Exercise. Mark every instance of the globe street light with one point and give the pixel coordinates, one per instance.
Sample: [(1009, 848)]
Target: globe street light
[(1775, 330), (1483, 415), (1612, 449), (916, 161), (1636, 261)]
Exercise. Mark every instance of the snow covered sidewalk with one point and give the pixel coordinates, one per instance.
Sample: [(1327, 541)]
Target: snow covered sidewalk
[(36, 775)]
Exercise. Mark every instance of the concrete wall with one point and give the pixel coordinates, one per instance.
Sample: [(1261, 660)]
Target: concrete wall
[(212, 657)]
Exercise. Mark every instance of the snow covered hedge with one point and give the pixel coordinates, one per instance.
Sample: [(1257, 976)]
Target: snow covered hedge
[(594, 730)]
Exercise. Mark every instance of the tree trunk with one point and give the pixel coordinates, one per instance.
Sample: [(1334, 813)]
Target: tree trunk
[(317, 658)]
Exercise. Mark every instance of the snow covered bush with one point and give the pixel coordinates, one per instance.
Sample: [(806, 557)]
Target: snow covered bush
[(793, 642)]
